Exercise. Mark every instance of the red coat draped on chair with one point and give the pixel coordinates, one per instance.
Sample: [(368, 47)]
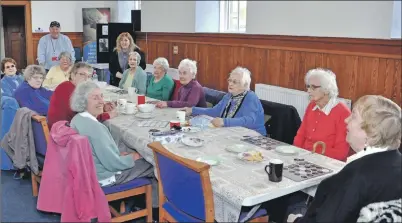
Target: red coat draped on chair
[(69, 185)]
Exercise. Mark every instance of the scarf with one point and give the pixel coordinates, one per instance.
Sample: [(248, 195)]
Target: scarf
[(233, 105), (123, 59)]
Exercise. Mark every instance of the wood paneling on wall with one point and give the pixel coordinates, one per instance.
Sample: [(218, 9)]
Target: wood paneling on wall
[(75, 37), (362, 66)]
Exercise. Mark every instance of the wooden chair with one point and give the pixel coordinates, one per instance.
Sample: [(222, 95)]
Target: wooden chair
[(41, 137), (127, 190), (185, 191)]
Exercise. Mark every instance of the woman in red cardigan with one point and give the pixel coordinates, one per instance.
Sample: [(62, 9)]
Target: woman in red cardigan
[(59, 107), (324, 119)]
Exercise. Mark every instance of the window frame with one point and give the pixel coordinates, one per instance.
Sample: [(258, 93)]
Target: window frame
[(226, 15)]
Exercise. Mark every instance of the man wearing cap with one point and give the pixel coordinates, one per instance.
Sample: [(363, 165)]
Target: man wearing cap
[(51, 45)]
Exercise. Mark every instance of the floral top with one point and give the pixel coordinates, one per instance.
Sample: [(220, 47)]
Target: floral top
[(233, 105)]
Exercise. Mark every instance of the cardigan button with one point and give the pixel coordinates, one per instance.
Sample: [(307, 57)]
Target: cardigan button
[(313, 130), (316, 121)]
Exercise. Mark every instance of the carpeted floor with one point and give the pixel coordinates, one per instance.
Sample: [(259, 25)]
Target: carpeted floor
[(17, 203)]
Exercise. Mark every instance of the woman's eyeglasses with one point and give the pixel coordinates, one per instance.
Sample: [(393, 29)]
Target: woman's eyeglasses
[(234, 82), (11, 66), (312, 87)]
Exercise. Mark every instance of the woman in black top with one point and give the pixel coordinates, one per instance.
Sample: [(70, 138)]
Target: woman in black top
[(119, 57), (372, 176)]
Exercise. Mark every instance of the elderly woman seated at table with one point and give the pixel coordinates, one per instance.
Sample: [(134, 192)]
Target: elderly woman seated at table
[(30, 93), (59, 73), (59, 108), (191, 92), (161, 85), (371, 176), (10, 81), (240, 107), (135, 76), (112, 166), (324, 120)]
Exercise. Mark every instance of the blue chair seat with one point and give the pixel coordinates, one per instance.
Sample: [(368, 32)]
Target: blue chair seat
[(261, 212), (178, 215), (139, 182)]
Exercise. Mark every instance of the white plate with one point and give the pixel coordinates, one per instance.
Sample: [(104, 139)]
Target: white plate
[(237, 148), (192, 141), (190, 129), (212, 161), (287, 150), (145, 115)]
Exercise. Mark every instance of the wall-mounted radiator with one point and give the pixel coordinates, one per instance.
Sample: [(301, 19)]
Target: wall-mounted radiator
[(296, 98)]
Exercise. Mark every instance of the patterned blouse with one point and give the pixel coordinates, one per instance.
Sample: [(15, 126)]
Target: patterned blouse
[(233, 105)]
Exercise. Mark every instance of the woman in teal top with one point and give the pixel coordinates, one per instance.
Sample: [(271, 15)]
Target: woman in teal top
[(161, 85), (135, 76)]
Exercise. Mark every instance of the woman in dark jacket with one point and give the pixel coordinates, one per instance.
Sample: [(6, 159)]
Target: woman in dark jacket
[(119, 57), (372, 176)]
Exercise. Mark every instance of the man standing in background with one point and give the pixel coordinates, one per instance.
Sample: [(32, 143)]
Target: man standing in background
[(51, 45)]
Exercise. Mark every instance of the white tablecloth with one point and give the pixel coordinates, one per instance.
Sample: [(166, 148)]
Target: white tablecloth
[(235, 183)]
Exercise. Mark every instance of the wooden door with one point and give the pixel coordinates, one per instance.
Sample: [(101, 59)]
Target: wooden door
[(14, 34)]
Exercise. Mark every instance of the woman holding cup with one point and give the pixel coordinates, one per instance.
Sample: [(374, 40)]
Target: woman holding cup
[(134, 79)]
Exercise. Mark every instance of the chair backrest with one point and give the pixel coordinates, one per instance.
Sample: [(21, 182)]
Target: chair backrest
[(175, 93), (213, 96), (149, 76), (283, 123), (41, 133), (184, 183)]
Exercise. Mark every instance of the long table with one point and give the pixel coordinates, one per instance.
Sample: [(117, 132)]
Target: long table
[(235, 183)]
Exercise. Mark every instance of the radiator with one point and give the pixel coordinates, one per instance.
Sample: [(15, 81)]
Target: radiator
[(296, 98)]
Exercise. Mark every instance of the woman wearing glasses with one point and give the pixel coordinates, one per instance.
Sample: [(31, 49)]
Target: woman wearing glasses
[(324, 121), (30, 93), (239, 107), (11, 80), (119, 57)]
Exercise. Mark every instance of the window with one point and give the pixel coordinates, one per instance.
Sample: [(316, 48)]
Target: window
[(233, 16)]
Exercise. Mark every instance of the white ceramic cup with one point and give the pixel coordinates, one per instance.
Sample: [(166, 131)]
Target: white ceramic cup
[(130, 108), (131, 91), (121, 104), (181, 115)]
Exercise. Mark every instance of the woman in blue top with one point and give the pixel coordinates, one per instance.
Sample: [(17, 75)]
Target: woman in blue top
[(11, 80), (30, 93), (239, 107), (135, 76)]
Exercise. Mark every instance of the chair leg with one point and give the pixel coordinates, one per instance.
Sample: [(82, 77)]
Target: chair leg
[(34, 185), (148, 197)]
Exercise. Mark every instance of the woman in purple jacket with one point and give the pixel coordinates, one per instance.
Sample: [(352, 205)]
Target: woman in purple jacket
[(191, 92)]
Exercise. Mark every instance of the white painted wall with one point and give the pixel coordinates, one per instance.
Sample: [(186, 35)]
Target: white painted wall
[(168, 16), (68, 13), (360, 19), (396, 23)]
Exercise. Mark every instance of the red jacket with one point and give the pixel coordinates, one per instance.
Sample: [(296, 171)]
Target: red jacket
[(69, 185), (331, 129), (59, 107)]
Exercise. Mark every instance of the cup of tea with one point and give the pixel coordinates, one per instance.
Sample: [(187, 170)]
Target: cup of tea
[(141, 99), (274, 170), (181, 115), (130, 108), (121, 104), (174, 123)]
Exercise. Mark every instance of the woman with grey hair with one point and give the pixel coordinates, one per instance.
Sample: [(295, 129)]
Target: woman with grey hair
[(372, 176), (191, 92), (239, 107), (135, 76), (160, 86), (58, 73), (323, 125), (30, 93), (112, 166)]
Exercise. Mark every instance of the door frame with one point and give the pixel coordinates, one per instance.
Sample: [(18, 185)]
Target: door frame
[(28, 26)]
